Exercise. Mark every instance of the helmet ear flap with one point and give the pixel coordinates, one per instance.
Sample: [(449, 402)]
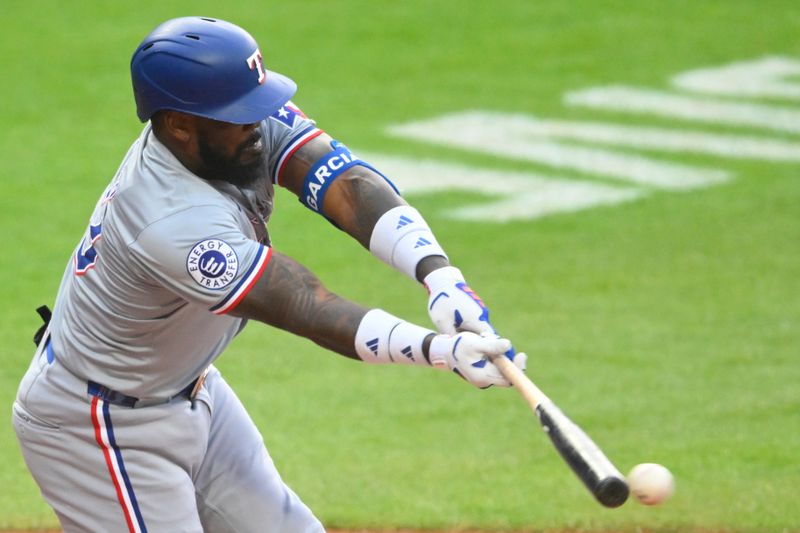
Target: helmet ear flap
[(205, 67)]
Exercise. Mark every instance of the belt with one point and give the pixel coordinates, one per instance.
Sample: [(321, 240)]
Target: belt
[(117, 398)]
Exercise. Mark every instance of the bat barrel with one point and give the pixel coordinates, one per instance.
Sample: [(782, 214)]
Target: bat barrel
[(612, 491), (585, 458)]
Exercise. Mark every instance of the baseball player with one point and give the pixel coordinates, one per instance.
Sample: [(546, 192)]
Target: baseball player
[(122, 419)]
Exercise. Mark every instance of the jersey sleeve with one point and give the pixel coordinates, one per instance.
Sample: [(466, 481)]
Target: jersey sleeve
[(286, 131), (202, 255)]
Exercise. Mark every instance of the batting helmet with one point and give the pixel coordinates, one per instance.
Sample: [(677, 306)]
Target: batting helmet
[(206, 67)]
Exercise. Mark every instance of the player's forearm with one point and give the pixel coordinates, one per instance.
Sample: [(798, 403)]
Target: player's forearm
[(353, 200), (290, 297), (335, 183), (356, 202), (353, 195)]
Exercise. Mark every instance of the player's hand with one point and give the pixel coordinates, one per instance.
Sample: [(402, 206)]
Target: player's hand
[(454, 307), (468, 355)]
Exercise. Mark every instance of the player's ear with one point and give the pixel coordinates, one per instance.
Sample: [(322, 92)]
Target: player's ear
[(178, 125)]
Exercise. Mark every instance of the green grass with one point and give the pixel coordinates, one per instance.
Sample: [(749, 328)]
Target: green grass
[(668, 328)]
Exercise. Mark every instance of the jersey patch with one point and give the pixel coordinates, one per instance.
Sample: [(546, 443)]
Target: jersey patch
[(212, 263), (286, 115)]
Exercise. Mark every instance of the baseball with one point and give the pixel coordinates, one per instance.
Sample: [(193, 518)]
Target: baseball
[(651, 483)]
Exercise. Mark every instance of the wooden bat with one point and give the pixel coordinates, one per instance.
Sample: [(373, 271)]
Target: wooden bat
[(580, 452)]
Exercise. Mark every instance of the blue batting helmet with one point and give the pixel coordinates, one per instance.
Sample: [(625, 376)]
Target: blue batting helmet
[(206, 67)]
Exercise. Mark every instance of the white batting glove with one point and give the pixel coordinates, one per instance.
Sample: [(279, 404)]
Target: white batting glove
[(454, 307), (468, 355)]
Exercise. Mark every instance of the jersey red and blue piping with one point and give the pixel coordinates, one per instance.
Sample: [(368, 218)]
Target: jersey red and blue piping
[(246, 283), (286, 154)]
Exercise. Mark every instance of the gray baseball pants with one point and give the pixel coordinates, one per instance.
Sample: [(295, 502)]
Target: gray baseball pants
[(180, 466)]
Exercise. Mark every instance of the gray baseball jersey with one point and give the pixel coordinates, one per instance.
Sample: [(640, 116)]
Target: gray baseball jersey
[(142, 306), (141, 312)]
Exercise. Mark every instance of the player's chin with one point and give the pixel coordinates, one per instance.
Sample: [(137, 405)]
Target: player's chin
[(247, 172), (251, 156)]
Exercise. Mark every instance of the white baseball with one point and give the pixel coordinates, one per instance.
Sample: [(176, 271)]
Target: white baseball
[(651, 483)]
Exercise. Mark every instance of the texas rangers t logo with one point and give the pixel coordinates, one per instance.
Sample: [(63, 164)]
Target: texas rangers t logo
[(255, 62)]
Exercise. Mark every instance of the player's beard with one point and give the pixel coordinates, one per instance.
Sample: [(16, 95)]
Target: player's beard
[(218, 166)]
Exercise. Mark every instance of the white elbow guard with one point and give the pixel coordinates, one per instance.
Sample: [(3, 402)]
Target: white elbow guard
[(401, 238), (383, 338)]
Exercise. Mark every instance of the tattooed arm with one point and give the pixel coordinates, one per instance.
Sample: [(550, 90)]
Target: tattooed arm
[(363, 204), (355, 201), (290, 297)]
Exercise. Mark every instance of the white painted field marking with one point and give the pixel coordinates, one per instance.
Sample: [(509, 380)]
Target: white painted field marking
[(563, 144), (768, 77), (516, 136), (660, 139), (708, 110), (523, 195)]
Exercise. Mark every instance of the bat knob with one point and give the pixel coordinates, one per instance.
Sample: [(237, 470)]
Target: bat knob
[(612, 491)]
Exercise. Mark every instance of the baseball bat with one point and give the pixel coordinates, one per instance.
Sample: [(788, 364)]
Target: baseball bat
[(589, 463)]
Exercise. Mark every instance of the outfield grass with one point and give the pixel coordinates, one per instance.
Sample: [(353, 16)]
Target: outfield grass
[(667, 327)]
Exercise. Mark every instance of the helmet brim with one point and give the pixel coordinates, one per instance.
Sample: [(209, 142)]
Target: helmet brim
[(256, 105)]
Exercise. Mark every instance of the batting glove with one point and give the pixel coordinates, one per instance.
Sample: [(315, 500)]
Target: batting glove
[(454, 307), (468, 355)]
